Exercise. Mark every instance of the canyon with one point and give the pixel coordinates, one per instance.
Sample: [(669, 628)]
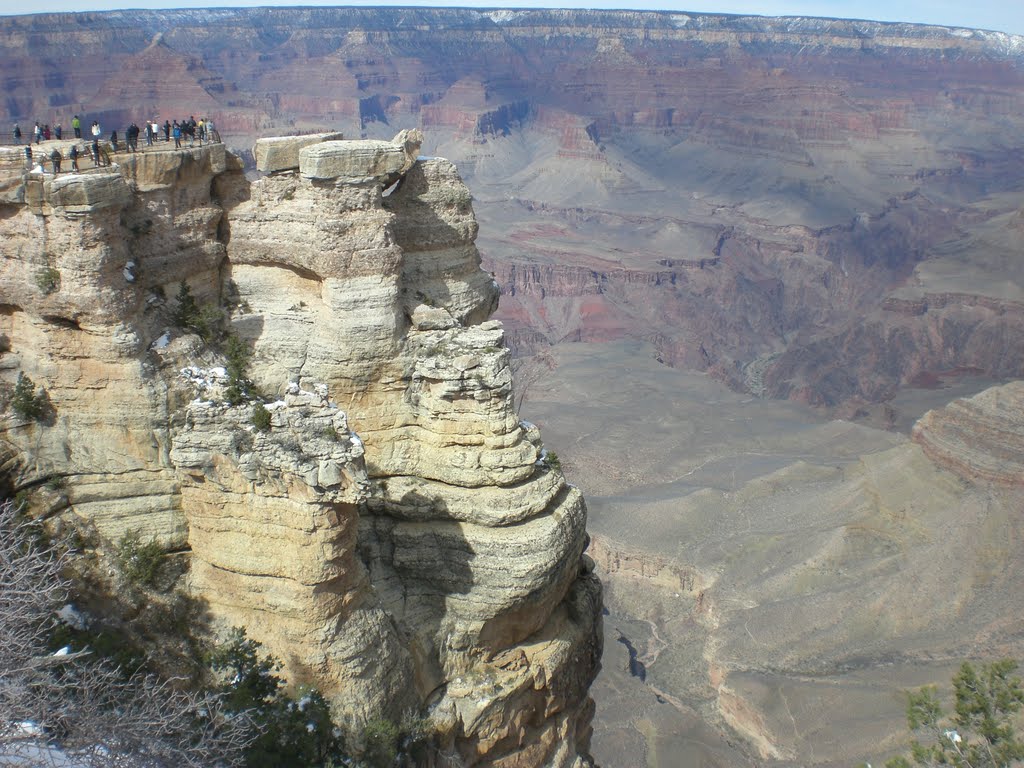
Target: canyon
[(763, 280), (783, 577), (786, 203)]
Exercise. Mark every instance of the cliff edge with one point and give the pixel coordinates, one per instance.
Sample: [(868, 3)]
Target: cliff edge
[(395, 534)]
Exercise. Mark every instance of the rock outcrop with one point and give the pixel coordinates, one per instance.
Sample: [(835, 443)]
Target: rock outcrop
[(391, 531), (980, 437)]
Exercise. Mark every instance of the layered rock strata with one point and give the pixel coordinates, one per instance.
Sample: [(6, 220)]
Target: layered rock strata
[(394, 534), (845, 185), (980, 437), (89, 260)]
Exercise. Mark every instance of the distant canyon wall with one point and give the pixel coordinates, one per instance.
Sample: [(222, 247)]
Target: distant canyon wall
[(827, 174)]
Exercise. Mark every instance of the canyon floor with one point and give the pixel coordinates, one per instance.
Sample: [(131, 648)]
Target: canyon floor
[(767, 600)]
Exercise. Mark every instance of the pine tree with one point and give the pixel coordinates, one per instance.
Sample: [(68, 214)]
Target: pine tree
[(186, 311), (980, 733), (25, 401)]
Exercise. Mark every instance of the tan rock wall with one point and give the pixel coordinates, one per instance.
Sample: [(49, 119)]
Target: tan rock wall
[(90, 259), (394, 536), (472, 545)]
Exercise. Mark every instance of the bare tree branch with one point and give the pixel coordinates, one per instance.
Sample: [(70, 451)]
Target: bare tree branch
[(527, 371), (71, 710)]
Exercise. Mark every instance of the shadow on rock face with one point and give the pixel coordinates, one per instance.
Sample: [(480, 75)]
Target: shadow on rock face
[(422, 572)]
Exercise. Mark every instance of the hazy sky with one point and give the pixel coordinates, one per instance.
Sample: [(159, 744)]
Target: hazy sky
[(1002, 15)]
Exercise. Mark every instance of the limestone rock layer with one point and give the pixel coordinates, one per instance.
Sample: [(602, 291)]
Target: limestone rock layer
[(389, 529)]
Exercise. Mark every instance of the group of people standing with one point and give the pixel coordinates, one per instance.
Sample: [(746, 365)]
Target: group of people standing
[(39, 133), (190, 129), (55, 158), (42, 131), (35, 163)]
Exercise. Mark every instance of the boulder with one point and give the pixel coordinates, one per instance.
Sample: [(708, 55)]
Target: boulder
[(12, 188), (361, 160), (84, 193), (157, 170), (281, 153), (351, 160)]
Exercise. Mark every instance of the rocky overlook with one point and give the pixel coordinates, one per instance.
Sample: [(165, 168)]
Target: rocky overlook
[(394, 535), (978, 437)]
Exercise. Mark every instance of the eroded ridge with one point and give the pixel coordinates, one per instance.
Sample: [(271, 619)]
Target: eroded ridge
[(978, 437)]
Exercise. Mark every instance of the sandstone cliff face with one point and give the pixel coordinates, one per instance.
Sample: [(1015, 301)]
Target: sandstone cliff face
[(395, 536), (78, 325)]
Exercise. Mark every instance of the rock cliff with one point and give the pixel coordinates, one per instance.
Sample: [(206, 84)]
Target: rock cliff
[(394, 534)]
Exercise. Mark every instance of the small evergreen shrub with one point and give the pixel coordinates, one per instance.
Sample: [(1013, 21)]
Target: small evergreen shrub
[(208, 323), (26, 402), (239, 388), (186, 310), (260, 417), (552, 460), (139, 563), (383, 743), (249, 678), (48, 280), (380, 743), (205, 321), (294, 732)]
